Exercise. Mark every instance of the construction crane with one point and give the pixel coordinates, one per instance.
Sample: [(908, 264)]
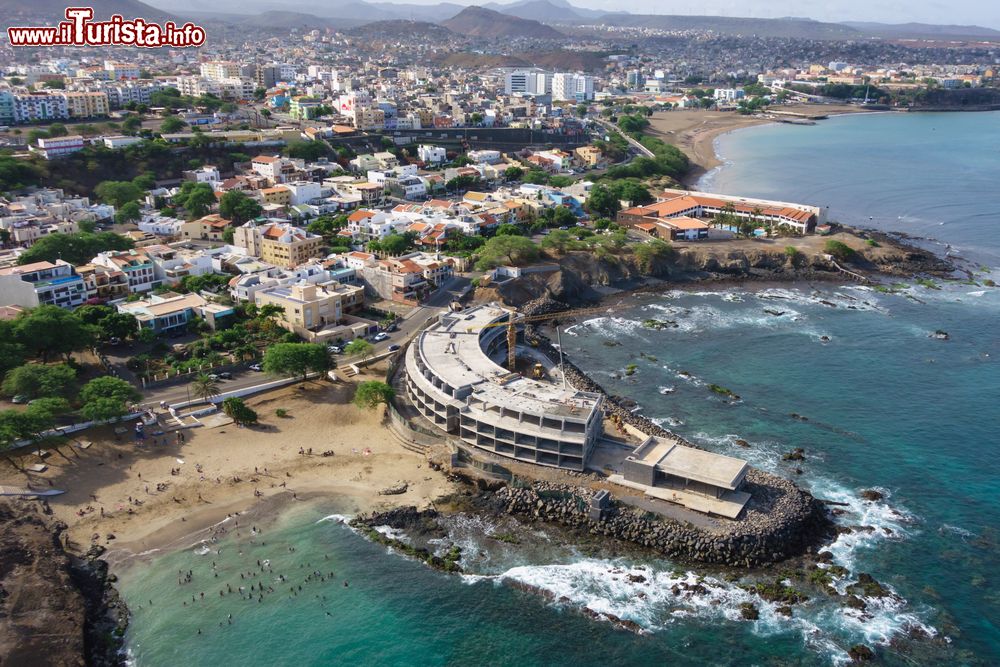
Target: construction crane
[(514, 319)]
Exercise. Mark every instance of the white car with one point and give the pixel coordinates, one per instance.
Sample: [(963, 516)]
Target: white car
[(380, 336)]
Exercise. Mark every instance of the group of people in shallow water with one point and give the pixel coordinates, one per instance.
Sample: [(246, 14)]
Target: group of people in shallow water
[(257, 583)]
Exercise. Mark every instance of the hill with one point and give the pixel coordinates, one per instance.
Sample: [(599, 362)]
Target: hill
[(402, 29), (727, 25), (539, 10), (283, 20), (53, 11), (924, 31), (480, 22)]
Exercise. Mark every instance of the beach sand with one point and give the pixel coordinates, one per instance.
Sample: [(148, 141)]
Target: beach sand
[(367, 458), (694, 131)]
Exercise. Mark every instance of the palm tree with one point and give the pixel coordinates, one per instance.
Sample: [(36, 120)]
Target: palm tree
[(205, 388)]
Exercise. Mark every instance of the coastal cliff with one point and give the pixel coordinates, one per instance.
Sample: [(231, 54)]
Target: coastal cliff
[(55, 608), (579, 273)]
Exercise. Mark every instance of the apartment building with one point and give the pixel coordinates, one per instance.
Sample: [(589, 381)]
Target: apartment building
[(102, 283), (170, 312), (431, 154), (42, 283), (280, 244), (86, 104), (39, 106), (136, 266)]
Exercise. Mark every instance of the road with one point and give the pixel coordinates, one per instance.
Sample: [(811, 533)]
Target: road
[(243, 377)]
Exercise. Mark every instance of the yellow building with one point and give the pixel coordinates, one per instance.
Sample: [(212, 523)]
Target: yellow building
[(86, 104), (288, 246), (589, 155), (277, 195), (309, 307)]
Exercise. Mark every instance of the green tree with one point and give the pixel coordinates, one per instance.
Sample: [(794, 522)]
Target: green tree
[(118, 193), (839, 250), (74, 248), (371, 394), (51, 330), (12, 350), (105, 398), (310, 151), (58, 130), (563, 217), (508, 229), (602, 201), (196, 198), (132, 124), (39, 380), (558, 240), (296, 359), (172, 124), (395, 244), (239, 411), (513, 173), (28, 424), (128, 213), (652, 255), (238, 207), (359, 347), (205, 388), (513, 250)]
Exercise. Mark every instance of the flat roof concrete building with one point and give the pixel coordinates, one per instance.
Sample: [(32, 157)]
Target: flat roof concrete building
[(452, 380), (697, 479)]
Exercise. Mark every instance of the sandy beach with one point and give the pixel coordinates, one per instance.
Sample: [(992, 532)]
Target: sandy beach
[(222, 469), (694, 131)]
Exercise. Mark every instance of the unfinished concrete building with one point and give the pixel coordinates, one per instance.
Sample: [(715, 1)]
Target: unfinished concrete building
[(453, 381)]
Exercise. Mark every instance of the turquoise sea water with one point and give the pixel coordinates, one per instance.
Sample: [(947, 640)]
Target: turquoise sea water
[(928, 174), (885, 406)]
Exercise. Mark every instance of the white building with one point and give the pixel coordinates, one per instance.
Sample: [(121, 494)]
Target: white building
[(527, 81), (569, 87), (431, 154), (58, 147)]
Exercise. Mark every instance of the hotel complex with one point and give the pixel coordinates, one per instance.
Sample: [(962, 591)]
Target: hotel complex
[(684, 205), (453, 381)]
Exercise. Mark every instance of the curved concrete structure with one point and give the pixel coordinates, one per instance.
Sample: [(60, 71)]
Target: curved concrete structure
[(454, 383)]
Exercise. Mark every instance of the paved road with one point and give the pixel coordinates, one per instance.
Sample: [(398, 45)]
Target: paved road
[(243, 377)]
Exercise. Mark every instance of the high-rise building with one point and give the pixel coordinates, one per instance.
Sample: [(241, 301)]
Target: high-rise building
[(572, 87)]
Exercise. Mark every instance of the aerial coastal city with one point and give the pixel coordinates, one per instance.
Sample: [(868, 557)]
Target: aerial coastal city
[(373, 333)]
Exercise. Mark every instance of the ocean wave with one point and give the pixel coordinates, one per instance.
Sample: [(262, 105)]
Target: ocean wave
[(335, 518), (657, 598)]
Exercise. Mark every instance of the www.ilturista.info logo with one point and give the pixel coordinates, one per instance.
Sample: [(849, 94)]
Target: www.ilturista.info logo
[(79, 30)]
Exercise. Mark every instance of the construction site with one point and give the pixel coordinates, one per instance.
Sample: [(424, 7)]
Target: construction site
[(467, 376)]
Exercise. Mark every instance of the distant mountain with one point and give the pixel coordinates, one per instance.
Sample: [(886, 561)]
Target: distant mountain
[(561, 11), (924, 30), (434, 13), (727, 25), (280, 19), (481, 22), (398, 28), (53, 11), (537, 10)]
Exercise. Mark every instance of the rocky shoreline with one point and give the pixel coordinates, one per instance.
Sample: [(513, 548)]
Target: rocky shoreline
[(52, 602)]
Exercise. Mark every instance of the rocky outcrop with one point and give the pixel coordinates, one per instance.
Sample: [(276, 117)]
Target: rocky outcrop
[(580, 272), (780, 522), (52, 603)]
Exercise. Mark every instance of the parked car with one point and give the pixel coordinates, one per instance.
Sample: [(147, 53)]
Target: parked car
[(394, 347), (225, 375), (20, 398), (256, 367), (380, 336), (334, 349)]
